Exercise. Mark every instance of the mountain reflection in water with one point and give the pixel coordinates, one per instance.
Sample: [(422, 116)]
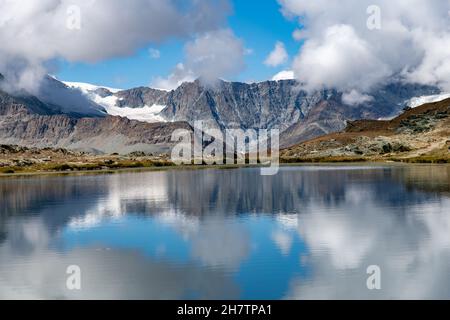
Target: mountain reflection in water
[(308, 232)]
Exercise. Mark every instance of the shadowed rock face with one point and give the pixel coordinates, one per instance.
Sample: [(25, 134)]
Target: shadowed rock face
[(98, 135), (10, 105), (140, 97), (247, 106)]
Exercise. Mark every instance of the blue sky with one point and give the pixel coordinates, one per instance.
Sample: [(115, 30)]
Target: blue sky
[(260, 27)]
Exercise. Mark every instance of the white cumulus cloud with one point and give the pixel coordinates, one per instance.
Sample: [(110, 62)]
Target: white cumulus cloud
[(215, 54), (211, 56), (413, 42), (284, 75), (34, 32), (297, 35), (179, 75), (339, 59), (278, 56), (354, 98)]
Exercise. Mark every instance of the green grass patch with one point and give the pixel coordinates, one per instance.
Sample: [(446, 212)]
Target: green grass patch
[(7, 171)]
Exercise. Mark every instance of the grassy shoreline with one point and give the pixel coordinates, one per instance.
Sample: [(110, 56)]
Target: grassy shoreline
[(74, 172), (67, 170), (426, 159)]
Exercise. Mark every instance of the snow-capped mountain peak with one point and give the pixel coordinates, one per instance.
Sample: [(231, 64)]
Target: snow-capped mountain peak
[(108, 99), (87, 87)]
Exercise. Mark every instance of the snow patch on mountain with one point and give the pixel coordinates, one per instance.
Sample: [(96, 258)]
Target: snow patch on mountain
[(86, 87), (284, 75), (150, 114), (145, 114), (418, 101)]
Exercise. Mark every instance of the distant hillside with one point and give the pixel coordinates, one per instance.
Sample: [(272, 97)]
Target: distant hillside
[(419, 134)]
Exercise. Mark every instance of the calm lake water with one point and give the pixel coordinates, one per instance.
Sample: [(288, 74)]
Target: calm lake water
[(309, 232)]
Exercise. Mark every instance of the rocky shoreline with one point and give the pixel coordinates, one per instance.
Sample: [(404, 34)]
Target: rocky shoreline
[(21, 160)]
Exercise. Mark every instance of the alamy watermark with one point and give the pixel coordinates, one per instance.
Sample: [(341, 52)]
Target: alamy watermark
[(374, 279), (374, 19), (213, 146), (73, 21), (73, 281)]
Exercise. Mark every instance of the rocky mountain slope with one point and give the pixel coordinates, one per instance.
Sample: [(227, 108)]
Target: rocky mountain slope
[(96, 135), (421, 134), (27, 121)]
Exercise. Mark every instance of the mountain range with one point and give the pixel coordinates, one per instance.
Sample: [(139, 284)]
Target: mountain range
[(97, 119)]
